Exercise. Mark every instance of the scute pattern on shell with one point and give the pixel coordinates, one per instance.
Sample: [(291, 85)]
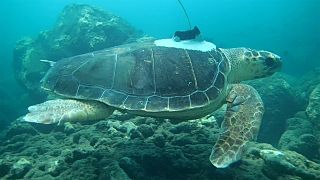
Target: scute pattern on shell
[(142, 77)]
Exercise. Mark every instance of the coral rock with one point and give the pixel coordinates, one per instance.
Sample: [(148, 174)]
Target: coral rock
[(78, 30), (20, 168)]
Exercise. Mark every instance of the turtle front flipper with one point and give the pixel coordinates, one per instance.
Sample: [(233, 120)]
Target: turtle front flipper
[(241, 124), (58, 110)]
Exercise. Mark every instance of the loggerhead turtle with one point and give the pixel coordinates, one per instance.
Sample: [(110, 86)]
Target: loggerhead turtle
[(168, 79)]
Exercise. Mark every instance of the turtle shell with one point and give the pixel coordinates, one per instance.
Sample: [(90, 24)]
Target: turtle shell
[(142, 76)]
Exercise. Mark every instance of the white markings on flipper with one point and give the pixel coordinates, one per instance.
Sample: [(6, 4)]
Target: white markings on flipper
[(52, 111)]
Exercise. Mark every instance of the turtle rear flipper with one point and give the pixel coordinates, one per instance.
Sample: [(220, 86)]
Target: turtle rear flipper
[(241, 124), (58, 110)]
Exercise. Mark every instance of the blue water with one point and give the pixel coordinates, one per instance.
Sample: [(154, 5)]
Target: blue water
[(290, 28)]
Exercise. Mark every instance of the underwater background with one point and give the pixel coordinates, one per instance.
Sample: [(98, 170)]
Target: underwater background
[(289, 28)]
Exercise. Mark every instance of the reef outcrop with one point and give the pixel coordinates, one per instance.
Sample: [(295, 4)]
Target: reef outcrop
[(79, 29), (279, 98), (129, 147)]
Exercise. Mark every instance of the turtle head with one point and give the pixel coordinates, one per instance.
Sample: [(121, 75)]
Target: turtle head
[(249, 64)]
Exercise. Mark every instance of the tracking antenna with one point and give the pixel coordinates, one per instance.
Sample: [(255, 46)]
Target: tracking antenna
[(185, 12), (189, 34)]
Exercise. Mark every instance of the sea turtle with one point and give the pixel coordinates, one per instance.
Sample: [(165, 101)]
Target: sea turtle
[(162, 78)]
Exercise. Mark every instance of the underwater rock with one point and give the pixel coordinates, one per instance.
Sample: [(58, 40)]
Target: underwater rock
[(285, 163), (114, 171), (277, 95), (183, 127), (20, 128), (69, 128), (128, 126), (299, 137), (123, 127), (164, 149), (136, 134), (306, 84), (182, 140), (55, 167), (79, 29), (20, 168), (52, 167), (145, 130), (313, 108), (4, 167), (131, 167), (313, 112), (159, 140), (281, 164)]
